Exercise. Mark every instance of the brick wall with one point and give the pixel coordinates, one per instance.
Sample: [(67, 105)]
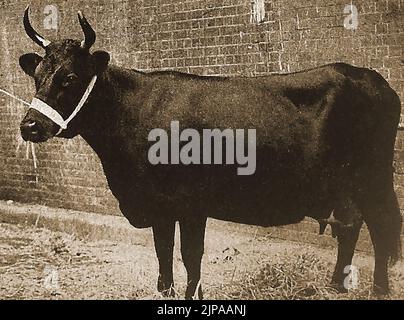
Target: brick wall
[(225, 37)]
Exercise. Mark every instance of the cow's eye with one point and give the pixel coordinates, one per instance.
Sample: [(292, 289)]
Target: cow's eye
[(70, 78)]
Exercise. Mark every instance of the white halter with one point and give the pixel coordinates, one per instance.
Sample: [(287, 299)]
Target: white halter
[(55, 116)]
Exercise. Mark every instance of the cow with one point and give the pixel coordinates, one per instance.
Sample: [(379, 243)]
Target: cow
[(324, 148)]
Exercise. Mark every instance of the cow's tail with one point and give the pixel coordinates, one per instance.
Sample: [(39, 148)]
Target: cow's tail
[(394, 214), (395, 252)]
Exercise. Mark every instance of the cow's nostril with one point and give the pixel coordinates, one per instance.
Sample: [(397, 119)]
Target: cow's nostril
[(31, 124), (30, 127)]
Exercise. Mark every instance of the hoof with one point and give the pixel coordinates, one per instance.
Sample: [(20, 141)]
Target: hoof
[(338, 287), (194, 295), (168, 293), (167, 290), (381, 291)]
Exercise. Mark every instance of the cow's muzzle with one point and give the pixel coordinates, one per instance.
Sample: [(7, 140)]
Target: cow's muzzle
[(32, 131)]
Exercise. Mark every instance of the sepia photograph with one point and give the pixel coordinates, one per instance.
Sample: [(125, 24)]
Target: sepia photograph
[(230, 151)]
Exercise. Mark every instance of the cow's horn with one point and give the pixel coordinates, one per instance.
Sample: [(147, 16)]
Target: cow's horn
[(89, 34), (35, 36)]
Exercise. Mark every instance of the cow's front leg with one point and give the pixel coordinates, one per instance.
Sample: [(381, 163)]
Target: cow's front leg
[(192, 247), (164, 243), (347, 238)]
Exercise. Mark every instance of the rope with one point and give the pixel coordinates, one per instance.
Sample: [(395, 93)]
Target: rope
[(14, 97), (29, 144)]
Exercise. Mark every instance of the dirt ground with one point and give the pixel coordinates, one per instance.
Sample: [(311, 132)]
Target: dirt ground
[(37, 263)]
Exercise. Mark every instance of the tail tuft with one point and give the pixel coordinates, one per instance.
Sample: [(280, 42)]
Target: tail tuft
[(395, 253)]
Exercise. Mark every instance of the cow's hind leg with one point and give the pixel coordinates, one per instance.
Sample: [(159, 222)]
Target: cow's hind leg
[(347, 238), (192, 248), (164, 244), (382, 215)]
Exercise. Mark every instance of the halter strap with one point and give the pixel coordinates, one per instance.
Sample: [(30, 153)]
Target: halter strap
[(55, 116)]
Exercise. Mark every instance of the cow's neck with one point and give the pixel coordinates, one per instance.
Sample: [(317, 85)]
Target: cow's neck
[(104, 130)]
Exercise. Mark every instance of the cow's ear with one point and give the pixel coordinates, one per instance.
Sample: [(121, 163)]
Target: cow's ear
[(29, 62), (101, 59)]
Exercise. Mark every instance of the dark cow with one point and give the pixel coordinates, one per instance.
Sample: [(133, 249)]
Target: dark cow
[(325, 140)]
